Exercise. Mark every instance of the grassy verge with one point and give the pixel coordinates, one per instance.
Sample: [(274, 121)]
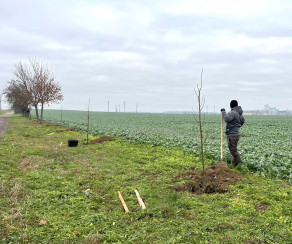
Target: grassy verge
[(50, 193), (3, 112)]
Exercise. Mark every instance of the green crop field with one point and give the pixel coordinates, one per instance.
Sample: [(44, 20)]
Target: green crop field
[(265, 145)]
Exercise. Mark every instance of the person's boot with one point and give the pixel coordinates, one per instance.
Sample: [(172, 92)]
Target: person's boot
[(236, 161)]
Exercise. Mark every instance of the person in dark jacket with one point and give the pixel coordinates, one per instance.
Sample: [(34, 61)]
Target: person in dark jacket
[(234, 120)]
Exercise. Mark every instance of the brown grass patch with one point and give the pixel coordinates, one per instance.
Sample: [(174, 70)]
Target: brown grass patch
[(102, 139), (60, 131), (31, 163), (94, 239), (223, 227), (45, 147)]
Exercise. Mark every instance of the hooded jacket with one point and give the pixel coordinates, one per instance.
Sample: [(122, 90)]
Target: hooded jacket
[(234, 120)]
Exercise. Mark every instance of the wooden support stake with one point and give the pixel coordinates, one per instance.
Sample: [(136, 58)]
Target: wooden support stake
[(141, 203), (221, 138), (123, 202)]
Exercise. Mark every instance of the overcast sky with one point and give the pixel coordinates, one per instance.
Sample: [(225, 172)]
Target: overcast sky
[(151, 52)]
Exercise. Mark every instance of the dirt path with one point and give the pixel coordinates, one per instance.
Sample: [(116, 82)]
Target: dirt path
[(3, 122)]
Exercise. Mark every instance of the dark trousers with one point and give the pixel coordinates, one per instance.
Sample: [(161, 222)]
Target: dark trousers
[(232, 145)]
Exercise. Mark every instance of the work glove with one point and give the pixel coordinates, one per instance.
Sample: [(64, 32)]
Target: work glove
[(222, 109)]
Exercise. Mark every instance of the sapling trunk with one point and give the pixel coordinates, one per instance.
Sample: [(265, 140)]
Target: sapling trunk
[(201, 136), (88, 121), (201, 104)]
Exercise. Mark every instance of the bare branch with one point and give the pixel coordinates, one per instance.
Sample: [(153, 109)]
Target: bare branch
[(204, 118), (203, 103)]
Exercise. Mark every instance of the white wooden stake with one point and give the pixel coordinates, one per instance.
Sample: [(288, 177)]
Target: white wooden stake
[(141, 203)]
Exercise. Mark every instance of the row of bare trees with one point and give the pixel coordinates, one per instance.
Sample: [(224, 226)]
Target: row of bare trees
[(33, 84)]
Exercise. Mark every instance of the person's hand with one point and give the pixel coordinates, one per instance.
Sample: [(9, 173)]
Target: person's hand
[(222, 109)]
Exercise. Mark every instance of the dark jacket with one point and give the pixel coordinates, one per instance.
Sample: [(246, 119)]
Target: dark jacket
[(234, 120)]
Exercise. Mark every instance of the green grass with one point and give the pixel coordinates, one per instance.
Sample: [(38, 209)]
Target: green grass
[(3, 112), (75, 191)]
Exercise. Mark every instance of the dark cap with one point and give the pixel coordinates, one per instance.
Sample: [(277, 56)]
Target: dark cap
[(233, 104)]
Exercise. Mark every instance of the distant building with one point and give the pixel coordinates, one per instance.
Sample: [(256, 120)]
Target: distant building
[(247, 112), (273, 111), (268, 111), (283, 112), (255, 112), (267, 107)]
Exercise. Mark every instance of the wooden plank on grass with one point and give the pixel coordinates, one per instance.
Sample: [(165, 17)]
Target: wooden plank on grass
[(123, 202)]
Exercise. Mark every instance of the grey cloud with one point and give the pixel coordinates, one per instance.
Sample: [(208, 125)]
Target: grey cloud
[(155, 62)]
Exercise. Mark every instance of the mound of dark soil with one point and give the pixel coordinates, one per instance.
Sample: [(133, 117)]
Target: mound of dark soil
[(45, 123), (217, 179), (102, 139), (60, 131)]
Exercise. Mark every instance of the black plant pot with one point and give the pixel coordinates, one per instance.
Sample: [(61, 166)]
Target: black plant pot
[(72, 143)]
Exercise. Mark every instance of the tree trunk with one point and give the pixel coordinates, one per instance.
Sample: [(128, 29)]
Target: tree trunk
[(36, 112), (42, 112)]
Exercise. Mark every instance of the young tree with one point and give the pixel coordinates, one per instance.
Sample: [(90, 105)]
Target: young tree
[(201, 104)]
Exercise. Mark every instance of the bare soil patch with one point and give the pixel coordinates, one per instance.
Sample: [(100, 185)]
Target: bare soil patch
[(60, 131), (45, 123), (262, 207), (102, 139), (217, 180), (223, 227), (31, 163)]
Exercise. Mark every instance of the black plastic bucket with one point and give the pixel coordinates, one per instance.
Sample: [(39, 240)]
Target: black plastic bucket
[(72, 143)]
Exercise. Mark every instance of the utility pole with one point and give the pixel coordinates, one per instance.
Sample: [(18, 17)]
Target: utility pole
[(124, 106), (136, 107), (108, 106)]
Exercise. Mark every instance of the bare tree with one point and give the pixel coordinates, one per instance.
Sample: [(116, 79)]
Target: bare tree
[(33, 84), (18, 91), (46, 88), (201, 104), (15, 96)]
